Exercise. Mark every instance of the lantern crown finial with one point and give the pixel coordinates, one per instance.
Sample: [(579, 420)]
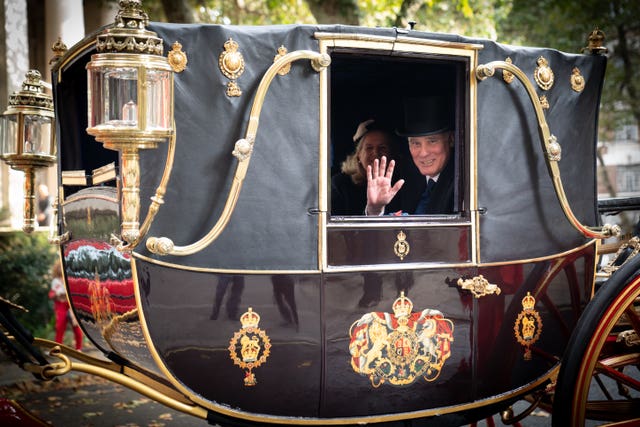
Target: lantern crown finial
[(128, 34), (32, 93), (596, 43)]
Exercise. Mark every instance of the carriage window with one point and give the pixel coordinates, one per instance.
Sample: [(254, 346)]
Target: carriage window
[(404, 118)]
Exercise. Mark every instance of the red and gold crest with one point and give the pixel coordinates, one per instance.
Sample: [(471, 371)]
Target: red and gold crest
[(398, 348), (250, 346), (528, 326)]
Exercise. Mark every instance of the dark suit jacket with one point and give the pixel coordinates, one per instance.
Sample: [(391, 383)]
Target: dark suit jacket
[(346, 197), (442, 194)]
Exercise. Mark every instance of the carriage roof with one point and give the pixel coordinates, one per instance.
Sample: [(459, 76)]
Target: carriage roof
[(507, 210)]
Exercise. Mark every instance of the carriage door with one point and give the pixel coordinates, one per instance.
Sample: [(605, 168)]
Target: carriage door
[(379, 85)]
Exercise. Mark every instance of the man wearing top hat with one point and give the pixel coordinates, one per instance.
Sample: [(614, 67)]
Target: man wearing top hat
[(428, 187)]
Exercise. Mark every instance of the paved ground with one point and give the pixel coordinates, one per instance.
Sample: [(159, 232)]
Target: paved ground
[(80, 400)]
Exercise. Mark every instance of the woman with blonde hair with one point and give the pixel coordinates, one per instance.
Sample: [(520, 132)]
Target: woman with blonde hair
[(349, 187)]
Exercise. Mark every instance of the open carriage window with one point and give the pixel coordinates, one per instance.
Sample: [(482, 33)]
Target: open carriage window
[(412, 104), (410, 111)]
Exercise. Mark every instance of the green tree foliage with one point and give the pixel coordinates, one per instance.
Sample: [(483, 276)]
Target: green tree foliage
[(25, 264), (565, 25), (561, 24), (470, 17)]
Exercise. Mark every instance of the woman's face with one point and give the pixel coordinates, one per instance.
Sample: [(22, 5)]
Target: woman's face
[(374, 145)]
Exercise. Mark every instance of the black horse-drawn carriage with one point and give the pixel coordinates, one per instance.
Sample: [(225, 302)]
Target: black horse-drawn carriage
[(241, 299)]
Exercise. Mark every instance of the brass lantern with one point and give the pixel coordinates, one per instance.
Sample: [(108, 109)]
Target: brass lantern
[(130, 87), (27, 140)]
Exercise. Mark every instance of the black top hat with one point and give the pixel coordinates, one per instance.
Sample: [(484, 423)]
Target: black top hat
[(426, 115)]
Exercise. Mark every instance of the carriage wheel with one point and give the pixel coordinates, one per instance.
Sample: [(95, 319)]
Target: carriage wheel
[(600, 374)]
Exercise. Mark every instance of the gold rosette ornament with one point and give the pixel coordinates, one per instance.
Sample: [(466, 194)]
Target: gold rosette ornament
[(250, 346)]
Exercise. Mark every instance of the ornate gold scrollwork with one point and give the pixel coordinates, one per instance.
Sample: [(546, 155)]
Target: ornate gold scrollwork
[(543, 74), (483, 71), (629, 338), (633, 245), (401, 248), (507, 76), (528, 325), (577, 81), (254, 348), (177, 58), (282, 51), (479, 286), (399, 348), (231, 63)]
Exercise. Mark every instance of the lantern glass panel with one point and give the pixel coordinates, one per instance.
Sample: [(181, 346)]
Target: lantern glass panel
[(158, 88), (8, 134), (113, 97), (37, 134)]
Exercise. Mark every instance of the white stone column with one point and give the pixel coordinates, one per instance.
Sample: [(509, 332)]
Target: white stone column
[(64, 19), (16, 62)]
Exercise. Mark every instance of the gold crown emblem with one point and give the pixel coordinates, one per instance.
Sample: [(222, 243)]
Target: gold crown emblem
[(250, 319), (250, 347), (528, 302), (402, 306), (230, 45)]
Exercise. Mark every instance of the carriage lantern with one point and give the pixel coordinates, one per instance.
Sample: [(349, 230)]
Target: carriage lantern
[(27, 140), (130, 100)]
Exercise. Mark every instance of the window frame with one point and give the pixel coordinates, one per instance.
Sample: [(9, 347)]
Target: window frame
[(462, 56)]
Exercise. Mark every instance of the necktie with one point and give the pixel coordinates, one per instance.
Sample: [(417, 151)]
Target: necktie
[(424, 199)]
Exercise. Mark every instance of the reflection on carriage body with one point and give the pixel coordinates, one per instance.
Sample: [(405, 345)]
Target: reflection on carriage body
[(347, 319)]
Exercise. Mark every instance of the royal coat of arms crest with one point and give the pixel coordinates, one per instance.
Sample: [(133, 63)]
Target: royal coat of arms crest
[(398, 348)]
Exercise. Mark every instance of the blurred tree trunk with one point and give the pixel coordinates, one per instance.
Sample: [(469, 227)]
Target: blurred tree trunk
[(332, 11), (178, 11)]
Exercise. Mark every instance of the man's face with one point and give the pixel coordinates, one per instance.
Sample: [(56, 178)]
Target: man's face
[(430, 153)]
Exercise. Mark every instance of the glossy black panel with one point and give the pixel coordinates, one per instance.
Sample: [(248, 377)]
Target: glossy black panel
[(193, 316), (368, 246), (353, 297), (561, 288)]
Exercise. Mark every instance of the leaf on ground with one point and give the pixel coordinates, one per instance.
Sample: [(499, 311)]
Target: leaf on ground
[(166, 416), (540, 413), (92, 414), (132, 404)]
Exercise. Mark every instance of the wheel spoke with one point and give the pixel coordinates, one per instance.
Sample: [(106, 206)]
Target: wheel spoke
[(613, 410), (606, 367)]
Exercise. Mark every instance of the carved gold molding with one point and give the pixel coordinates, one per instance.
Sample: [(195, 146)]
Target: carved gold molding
[(177, 58), (528, 325), (231, 63), (543, 74), (401, 248), (282, 51), (577, 81), (507, 76), (479, 286)]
